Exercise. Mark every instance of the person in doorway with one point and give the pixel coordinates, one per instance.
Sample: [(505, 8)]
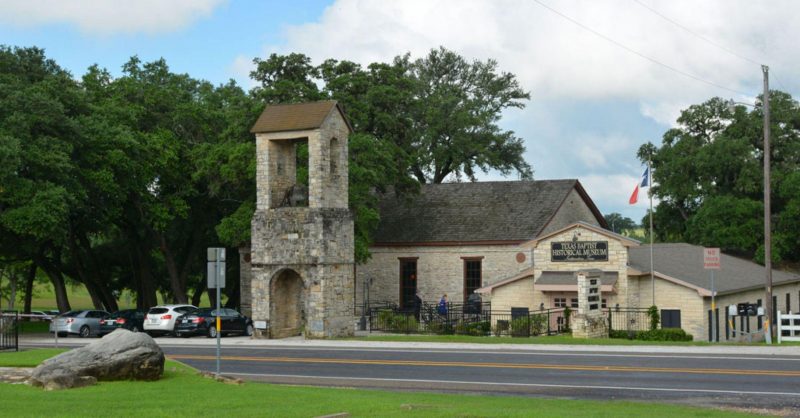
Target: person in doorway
[(417, 304), (442, 308)]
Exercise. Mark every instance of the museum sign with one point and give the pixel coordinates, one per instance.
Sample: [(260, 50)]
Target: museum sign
[(579, 251)]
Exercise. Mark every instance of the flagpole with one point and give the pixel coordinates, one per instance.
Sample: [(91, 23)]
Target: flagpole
[(650, 192)]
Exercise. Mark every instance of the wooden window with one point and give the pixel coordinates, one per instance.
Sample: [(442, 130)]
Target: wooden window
[(670, 318), (473, 277), (603, 304), (408, 282), (573, 303), (559, 302), (788, 303)]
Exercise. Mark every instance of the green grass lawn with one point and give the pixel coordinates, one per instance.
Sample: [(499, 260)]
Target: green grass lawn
[(182, 392)]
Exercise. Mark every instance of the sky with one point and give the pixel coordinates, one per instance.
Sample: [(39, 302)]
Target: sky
[(605, 76)]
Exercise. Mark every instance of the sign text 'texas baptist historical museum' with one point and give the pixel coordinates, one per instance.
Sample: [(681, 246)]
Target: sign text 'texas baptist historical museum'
[(579, 251)]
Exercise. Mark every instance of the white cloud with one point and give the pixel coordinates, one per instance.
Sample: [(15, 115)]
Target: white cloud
[(107, 17), (554, 58), (562, 64)]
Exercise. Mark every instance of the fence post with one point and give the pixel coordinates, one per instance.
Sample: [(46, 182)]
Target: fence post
[(779, 323), (548, 322)]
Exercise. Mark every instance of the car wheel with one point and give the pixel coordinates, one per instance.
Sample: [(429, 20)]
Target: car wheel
[(63, 334), (248, 331), (85, 331), (212, 331)]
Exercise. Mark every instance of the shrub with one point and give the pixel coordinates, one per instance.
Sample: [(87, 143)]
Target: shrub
[(520, 327), (655, 319), (500, 327), (538, 324), (391, 321), (664, 334), (567, 314)]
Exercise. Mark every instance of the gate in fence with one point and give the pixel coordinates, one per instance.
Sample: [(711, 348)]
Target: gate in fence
[(9, 331), (629, 320), (788, 327)]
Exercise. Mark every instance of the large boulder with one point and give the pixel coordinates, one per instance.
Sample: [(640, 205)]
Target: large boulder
[(121, 355)]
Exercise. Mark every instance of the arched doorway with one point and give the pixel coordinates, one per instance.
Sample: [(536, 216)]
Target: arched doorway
[(287, 307)]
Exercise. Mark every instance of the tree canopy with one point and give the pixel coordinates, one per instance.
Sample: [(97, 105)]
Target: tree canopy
[(708, 175), (121, 182)]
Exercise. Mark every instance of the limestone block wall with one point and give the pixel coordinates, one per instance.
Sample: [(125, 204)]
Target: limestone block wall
[(617, 261), (674, 296), (519, 294), (439, 269), (328, 158), (245, 277), (318, 245), (573, 210)]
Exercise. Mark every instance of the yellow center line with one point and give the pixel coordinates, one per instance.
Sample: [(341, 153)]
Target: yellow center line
[(492, 365)]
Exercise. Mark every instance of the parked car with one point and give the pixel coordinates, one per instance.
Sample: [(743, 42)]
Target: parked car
[(84, 323), (203, 321), (160, 319), (130, 319), (39, 316)]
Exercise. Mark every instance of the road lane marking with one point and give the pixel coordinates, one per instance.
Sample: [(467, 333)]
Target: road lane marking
[(542, 385), (507, 353), (560, 367)]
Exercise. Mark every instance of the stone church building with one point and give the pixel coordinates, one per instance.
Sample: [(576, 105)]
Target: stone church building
[(515, 243)]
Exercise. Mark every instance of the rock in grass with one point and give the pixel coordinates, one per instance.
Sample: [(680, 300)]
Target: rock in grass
[(121, 355)]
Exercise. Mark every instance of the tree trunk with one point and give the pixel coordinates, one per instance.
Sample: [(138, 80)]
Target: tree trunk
[(60, 289), (178, 290), (198, 293), (29, 286), (96, 301), (145, 289), (102, 291)]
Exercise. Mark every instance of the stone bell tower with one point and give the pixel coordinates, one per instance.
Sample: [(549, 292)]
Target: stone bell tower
[(302, 254)]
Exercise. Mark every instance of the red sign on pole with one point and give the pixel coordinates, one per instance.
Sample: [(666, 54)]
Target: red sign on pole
[(711, 259)]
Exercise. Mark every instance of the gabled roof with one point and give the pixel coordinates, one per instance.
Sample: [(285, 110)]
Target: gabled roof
[(685, 263), (501, 212), (296, 117), (626, 241)]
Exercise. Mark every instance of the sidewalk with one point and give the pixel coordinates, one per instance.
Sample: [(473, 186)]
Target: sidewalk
[(246, 342)]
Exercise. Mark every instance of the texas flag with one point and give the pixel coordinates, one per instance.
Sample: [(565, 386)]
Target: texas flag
[(645, 182)]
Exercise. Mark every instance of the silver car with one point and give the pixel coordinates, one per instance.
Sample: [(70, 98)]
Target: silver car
[(84, 323)]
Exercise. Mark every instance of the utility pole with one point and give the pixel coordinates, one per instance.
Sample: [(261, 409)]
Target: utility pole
[(767, 211)]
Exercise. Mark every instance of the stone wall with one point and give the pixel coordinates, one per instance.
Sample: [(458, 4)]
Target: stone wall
[(245, 278), (587, 322), (440, 269), (518, 294), (574, 209), (317, 244)]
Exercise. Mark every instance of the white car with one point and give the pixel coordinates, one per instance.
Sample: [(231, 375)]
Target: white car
[(160, 319)]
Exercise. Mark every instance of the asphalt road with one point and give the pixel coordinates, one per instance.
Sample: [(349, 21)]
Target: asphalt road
[(752, 381), (712, 380)]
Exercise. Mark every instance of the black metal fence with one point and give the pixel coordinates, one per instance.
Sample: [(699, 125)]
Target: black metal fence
[(9, 331), (628, 319), (467, 319)]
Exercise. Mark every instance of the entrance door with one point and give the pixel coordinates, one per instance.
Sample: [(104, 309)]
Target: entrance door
[(286, 305), (408, 283)]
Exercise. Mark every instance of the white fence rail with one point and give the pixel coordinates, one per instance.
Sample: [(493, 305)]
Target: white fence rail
[(789, 323)]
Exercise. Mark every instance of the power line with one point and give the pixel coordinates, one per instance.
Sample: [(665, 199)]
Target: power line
[(697, 35), (639, 54), (709, 41)]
